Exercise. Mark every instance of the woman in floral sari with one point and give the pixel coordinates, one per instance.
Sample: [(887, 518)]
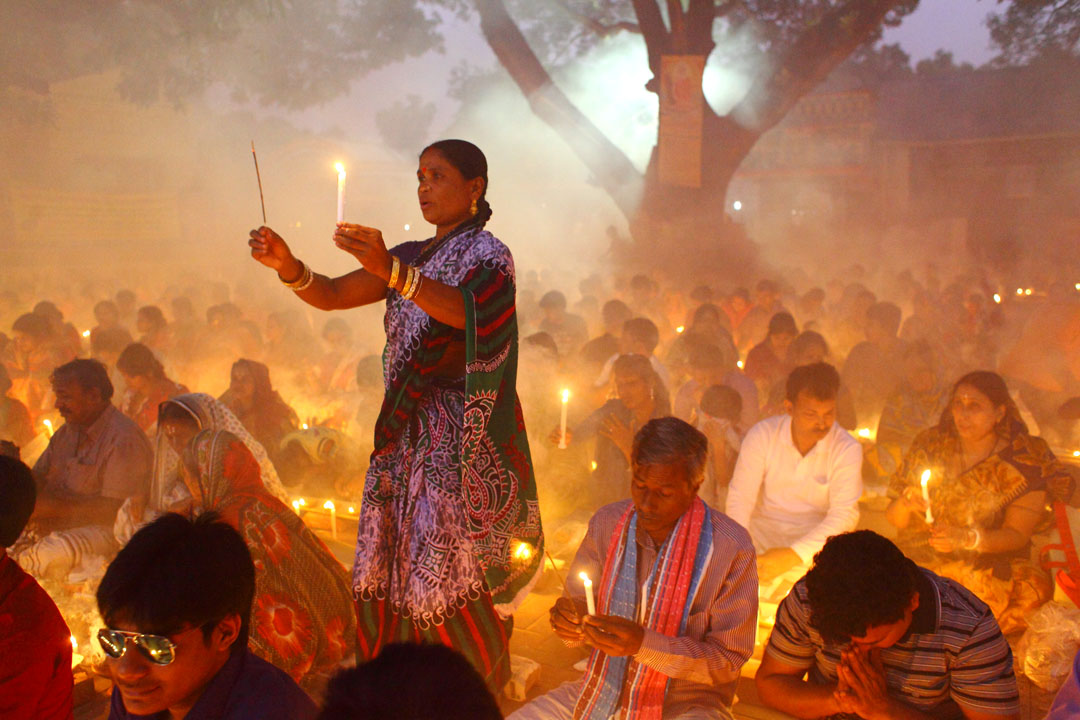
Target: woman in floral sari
[(449, 539), (989, 485), (303, 620)]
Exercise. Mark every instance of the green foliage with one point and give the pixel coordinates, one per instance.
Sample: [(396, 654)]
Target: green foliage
[(1031, 29), (292, 53)]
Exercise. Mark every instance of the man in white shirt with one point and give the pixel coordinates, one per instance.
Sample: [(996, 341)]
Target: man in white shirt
[(798, 477)]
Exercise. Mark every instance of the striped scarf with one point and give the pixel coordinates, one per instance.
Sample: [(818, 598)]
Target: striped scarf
[(672, 584)]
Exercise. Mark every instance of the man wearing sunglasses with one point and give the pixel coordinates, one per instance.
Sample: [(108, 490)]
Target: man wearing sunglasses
[(176, 602)]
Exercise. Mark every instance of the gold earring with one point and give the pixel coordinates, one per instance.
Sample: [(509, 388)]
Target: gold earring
[(472, 208)]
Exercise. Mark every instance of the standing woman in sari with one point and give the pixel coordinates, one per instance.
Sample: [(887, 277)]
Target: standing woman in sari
[(450, 497), (989, 485)]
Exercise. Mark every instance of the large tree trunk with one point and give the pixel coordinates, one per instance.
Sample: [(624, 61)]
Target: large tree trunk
[(660, 214)]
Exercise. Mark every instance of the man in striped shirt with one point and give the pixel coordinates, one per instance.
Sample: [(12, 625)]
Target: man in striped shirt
[(880, 637), (701, 663)]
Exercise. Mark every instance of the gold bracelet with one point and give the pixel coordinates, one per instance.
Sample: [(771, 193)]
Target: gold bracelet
[(394, 272), (416, 287), (410, 276), (303, 273), (305, 283)]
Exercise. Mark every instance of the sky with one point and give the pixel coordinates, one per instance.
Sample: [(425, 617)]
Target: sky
[(955, 25)]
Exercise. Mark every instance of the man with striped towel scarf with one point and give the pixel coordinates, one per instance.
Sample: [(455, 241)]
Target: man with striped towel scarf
[(676, 606)]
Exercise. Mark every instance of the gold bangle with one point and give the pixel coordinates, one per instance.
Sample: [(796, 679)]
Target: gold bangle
[(410, 276), (305, 283), (416, 286), (298, 280), (394, 272)]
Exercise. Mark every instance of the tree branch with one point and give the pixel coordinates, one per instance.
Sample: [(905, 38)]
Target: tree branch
[(808, 61), (609, 166), (656, 37), (599, 28), (678, 25)]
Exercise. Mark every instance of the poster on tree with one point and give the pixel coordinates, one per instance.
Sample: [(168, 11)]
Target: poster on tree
[(682, 113)]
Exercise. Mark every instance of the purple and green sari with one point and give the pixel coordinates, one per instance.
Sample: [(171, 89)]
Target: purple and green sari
[(450, 495)]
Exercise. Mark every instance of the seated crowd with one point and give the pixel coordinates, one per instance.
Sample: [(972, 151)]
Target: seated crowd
[(718, 447)]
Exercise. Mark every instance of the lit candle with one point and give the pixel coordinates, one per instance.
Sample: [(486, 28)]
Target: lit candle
[(76, 658), (296, 506), (997, 298), (864, 433), (86, 333), (562, 419), (340, 192), (329, 505), (48, 426), (352, 510), (590, 603), (926, 495), (523, 551), (681, 329), (739, 364)]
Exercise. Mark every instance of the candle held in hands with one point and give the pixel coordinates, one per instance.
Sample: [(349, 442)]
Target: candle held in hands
[(925, 481), (590, 602), (340, 192)]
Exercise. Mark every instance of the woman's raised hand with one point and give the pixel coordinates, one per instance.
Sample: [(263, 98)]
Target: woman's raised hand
[(366, 245), (270, 249)]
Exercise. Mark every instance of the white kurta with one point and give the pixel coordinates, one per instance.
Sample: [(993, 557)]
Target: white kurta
[(786, 499)]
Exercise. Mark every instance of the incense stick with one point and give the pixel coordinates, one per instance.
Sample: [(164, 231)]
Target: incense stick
[(556, 569), (259, 178)]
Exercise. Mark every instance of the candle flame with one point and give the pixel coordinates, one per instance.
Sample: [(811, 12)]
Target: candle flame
[(864, 433), (523, 551), (925, 478), (593, 466), (739, 364), (329, 505), (48, 426), (340, 170), (296, 505), (1077, 286), (86, 333), (74, 644), (1076, 453), (681, 329), (302, 501), (1028, 291), (305, 426), (997, 298), (585, 578), (565, 395), (1019, 291), (352, 510)]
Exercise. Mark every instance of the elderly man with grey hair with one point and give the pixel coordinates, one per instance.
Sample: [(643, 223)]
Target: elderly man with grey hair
[(673, 616)]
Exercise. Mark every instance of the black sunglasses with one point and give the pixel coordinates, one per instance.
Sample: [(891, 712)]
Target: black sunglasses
[(157, 649)]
